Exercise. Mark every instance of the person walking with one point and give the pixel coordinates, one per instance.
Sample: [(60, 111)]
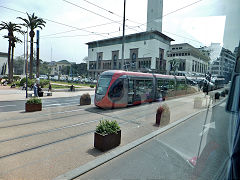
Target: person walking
[(35, 90), (49, 87)]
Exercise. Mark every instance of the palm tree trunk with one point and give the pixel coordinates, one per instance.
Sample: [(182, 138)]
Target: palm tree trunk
[(13, 45), (31, 58), (9, 60)]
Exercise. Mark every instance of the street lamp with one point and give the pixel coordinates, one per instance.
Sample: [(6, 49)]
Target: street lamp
[(123, 36)]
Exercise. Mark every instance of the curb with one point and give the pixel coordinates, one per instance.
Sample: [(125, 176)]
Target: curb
[(117, 152)]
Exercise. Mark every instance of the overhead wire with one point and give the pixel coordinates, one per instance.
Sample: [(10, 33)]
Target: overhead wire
[(73, 27), (101, 34)]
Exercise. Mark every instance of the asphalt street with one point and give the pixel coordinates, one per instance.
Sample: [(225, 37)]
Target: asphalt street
[(19, 105), (165, 156)]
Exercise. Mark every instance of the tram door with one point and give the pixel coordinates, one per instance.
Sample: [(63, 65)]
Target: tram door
[(130, 91)]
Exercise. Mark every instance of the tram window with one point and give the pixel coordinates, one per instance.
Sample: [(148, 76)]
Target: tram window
[(171, 84), (139, 86), (116, 89), (160, 84)]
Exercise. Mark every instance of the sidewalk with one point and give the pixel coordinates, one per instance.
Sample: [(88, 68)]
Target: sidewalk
[(14, 94)]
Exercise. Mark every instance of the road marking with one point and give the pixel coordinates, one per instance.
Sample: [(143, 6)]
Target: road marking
[(54, 105), (223, 104), (7, 106), (207, 127)]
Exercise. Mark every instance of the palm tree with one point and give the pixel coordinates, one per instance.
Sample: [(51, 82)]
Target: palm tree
[(14, 40), (32, 22), (11, 28)]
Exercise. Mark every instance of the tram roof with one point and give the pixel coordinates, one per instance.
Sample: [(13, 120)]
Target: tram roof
[(130, 73)]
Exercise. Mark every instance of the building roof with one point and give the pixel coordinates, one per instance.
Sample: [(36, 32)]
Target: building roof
[(194, 51), (63, 62), (130, 38)]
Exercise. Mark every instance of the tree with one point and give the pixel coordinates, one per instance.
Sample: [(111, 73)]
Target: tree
[(18, 65), (32, 23), (11, 28), (44, 68), (14, 40)]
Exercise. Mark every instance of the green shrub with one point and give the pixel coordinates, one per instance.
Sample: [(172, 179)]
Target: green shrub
[(16, 78), (107, 127), (34, 101), (17, 83), (30, 82), (44, 82), (92, 86)]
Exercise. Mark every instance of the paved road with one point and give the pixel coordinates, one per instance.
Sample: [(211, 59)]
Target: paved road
[(164, 157), (19, 105)]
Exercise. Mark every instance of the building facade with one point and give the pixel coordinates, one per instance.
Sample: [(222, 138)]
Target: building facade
[(143, 52), (192, 61), (3, 63), (223, 66), (57, 67)]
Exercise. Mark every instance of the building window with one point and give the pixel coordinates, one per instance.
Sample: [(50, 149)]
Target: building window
[(133, 56), (173, 48)]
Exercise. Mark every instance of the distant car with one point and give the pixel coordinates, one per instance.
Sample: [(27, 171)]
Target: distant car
[(43, 77)]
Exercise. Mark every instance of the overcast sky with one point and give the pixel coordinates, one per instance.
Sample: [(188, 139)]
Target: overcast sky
[(199, 24)]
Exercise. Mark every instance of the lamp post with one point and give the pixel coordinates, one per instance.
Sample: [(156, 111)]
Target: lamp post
[(123, 36)]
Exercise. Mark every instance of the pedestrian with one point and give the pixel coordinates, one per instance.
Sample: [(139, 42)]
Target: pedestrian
[(49, 87), (35, 90), (24, 86), (71, 87)]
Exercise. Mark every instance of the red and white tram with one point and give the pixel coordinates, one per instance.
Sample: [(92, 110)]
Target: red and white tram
[(117, 88)]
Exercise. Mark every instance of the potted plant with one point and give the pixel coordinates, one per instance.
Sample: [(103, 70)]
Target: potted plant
[(33, 104), (217, 95), (107, 135), (223, 93), (85, 99), (226, 91)]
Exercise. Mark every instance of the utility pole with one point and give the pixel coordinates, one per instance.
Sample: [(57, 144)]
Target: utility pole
[(38, 61), (123, 36), (24, 51)]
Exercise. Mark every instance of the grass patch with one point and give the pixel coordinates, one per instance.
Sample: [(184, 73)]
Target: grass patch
[(59, 87), (69, 84)]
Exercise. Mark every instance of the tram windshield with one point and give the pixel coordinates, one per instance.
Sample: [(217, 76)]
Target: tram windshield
[(103, 84)]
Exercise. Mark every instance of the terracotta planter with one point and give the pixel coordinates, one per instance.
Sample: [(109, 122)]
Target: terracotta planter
[(33, 107), (106, 142)]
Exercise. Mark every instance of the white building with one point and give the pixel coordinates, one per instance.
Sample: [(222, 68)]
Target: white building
[(3, 63), (192, 60), (142, 51), (57, 67)]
